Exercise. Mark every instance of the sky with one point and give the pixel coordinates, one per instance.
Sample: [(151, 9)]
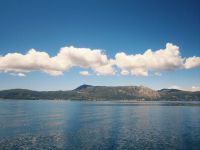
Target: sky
[(59, 45)]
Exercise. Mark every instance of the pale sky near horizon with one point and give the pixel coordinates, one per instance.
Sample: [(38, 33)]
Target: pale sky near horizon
[(59, 45)]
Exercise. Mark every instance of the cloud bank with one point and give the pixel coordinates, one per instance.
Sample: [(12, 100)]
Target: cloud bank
[(167, 59)]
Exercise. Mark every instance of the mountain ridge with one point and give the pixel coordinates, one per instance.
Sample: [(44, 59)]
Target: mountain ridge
[(90, 92)]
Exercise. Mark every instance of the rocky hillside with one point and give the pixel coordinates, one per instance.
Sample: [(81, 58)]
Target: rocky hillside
[(179, 95), (117, 92), (89, 92)]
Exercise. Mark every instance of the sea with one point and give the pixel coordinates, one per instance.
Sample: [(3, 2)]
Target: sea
[(99, 125)]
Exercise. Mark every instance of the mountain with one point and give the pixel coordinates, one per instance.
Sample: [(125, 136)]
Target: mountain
[(174, 94), (84, 86), (89, 92), (29, 94), (117, 93)]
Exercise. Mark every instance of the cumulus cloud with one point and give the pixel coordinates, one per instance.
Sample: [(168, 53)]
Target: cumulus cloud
[(195, 88), (32, 61), (84, 73), (192, 62), (67, 58), (161, 60), (167, 59)]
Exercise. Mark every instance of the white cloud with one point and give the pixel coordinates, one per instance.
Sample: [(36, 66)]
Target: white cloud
[(32, 61), (84, 73), (67, 57), (21, 74), (174, 87), (167, 59), (124, 72), (161, 60), (18, 74), (139, 72), (192, 62), (104, 70), (195, 88)]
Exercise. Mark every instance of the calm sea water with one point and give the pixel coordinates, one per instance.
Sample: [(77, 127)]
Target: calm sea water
[(74, 125)]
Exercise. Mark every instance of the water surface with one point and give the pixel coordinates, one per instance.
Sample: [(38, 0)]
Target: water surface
[(98, 125)]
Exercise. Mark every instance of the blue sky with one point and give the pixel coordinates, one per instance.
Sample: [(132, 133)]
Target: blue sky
[(113, 26)]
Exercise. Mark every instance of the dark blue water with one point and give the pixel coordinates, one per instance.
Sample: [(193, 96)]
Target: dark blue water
[(74, 125)]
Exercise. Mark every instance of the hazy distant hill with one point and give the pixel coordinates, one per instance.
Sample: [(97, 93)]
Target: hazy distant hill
[(174, 94), (89, 92)]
